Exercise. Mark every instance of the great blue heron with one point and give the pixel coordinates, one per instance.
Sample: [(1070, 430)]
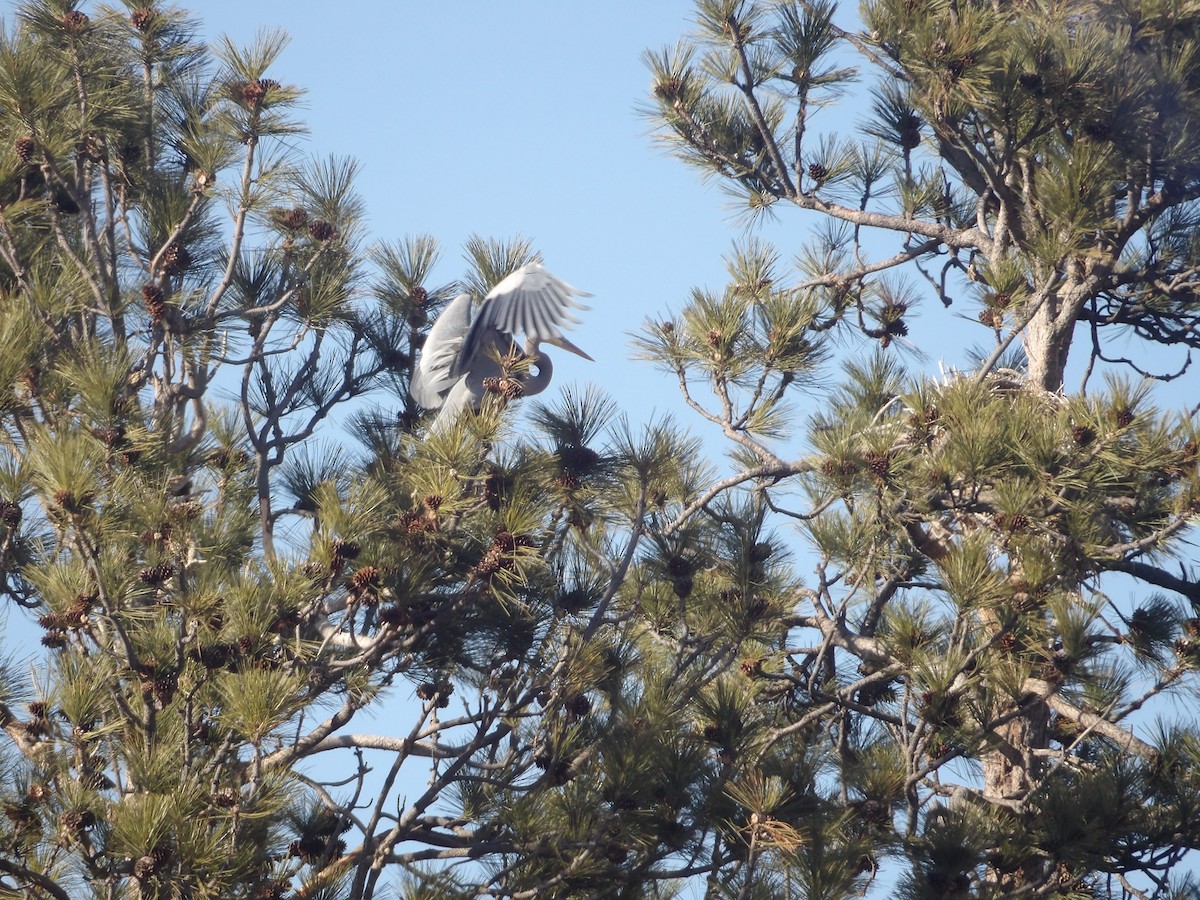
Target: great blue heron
[(462, 350)]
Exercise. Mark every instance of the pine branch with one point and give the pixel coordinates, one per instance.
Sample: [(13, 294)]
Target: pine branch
[(1158, 577), (31, 877)]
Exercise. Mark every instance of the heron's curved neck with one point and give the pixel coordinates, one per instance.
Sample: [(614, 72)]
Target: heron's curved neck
[(536, 383)]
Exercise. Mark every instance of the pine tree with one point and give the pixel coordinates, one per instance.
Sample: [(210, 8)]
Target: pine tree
[(1003, 612)]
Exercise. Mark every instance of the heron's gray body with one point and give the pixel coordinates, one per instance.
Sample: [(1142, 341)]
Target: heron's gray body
[(463, 349)]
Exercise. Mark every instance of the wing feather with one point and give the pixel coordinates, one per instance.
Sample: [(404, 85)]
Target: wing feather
[(433, 375), (531, 301)]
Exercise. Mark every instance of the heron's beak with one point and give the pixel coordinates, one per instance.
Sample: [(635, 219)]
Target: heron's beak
[(567, 345)]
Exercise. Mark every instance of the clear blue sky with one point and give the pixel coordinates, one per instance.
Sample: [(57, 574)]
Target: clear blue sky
[(521, 118), (512, 118)]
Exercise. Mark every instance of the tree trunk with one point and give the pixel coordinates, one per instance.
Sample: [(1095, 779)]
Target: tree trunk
[(1011, 769), (1047, 338), (1047, 341)]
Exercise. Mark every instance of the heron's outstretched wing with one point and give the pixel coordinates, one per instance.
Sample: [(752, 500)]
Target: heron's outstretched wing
[(530, 301), (432, 377)]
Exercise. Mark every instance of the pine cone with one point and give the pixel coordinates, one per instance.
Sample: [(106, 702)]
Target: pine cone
[(578, 705), (752, 668), (1083, 435), (679, 565), (214, 657), (226, 798), (578, 459), (567, 481), (366, 577), (1031, 81), (112, 437), (493, 489), (24, 147), (54, 640), (956, 67), (1123, 417), (364, 583), (21, 816), (144, 868), (1054, 670), (491, 563), (156, 575), (909, 128), (508, 388), (164, 688), (925, 418), (10, 513), (871, 810), (670, 89), (225, 457), (616, 853), (439, 689), (322, 231), (344, 550), (270, 890), (69, 502), (560, 773), (75, 21), (307, 848), (880, 464), (817, 172), (252, 93), (417, 296), (176, 260), (395, 616), (142, 18), (77, 612), (152, 296), (296, 218), (1015, 522)]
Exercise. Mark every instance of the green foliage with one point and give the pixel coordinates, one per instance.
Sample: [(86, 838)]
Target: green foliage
[(1037, 151)]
